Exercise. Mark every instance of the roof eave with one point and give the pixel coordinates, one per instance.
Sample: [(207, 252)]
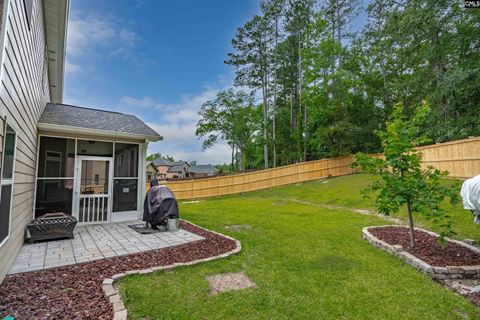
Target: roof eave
[(56, 22), (96, 132)]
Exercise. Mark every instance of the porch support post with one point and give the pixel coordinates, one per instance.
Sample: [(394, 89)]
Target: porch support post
[(142, 176)]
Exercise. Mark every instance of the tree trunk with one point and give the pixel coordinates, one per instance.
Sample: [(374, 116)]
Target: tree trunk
[(385, 90), (264, 68), (300, 105), (274, 109), (410, 224), (339, 34), (265, 127), (240, 159), (233, 157)]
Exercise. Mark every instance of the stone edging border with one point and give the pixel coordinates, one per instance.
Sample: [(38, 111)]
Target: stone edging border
[(439, 273), (113, 295)]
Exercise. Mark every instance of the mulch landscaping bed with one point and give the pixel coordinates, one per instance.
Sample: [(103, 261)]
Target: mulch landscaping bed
[(75, 291), (427, 247)]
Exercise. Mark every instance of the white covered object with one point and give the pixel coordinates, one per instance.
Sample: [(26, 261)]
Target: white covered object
[(471, 196)]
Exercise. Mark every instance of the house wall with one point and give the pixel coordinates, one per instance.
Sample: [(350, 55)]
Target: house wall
[(151, 171), (163, 169), (24, 92)]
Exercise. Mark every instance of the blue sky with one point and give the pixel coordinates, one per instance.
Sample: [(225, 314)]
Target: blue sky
[(158, 59)]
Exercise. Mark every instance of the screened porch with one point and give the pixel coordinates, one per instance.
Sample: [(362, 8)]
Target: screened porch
[(96, 181)]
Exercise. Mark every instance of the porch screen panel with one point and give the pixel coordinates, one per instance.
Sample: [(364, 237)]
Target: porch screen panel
[(56, 162), (94, 148), (125, 182)]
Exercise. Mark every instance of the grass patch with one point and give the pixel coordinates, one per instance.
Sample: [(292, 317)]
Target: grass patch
[(307, 262)]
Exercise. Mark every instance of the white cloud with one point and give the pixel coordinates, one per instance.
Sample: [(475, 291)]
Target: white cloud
[(88, 33), (72, 68), (135, 102), (191, 102), (220, 153), (176, 133), (177, 124)]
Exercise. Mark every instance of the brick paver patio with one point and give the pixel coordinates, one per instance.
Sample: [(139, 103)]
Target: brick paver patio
[(95, 242)]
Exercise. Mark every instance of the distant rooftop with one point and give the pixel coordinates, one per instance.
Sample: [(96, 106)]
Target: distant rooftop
[(64, 115), (165, 162), (175, 169), (162, 162), (203, 168)]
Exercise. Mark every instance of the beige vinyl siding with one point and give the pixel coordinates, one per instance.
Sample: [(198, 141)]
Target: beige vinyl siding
[(23, 96)]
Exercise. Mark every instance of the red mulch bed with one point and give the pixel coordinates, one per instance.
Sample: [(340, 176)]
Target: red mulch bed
[(427, 247), (75, 291)]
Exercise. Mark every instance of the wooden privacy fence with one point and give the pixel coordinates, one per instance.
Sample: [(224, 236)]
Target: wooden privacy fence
[(461, 158)]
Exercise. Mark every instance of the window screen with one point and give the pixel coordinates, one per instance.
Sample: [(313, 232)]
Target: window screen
[(125, 182), (56, 160)]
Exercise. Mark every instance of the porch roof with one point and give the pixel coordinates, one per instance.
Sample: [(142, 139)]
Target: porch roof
[(73, 119)]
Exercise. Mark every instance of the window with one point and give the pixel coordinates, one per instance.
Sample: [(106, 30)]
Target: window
[(28, 11), (6, 183), (56, 160), (125, 179)]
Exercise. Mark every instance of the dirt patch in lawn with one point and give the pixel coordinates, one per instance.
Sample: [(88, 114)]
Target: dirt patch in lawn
[(75, 292), (239, 227), (229, 281), (427, 247)]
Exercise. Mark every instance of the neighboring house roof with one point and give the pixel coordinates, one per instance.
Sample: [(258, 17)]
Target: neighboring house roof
[(162, 162), (165, 162), (150, 164), (203, 168), (175, 169), (180, 163), (62, 117), (56, 16)]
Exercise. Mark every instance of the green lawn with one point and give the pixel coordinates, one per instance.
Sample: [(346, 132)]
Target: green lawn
[(308, 263)]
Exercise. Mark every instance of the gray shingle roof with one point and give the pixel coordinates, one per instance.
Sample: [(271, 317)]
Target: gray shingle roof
[(80, 117), (148, 163), (175, 169), (162, 162), (203, 168)]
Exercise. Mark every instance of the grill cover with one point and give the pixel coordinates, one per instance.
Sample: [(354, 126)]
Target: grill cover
[(471, 196), (165, 206)]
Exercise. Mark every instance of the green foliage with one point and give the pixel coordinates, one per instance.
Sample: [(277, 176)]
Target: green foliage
[(403, 181), (223, 168), (153, 156), (230, 116), (326, 91)]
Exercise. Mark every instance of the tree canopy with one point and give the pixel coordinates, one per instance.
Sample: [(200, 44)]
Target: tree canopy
[(325, 86)]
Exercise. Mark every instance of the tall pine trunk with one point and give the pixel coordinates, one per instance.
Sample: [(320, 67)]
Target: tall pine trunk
[(233, 157), (265, 126), (274, 109)]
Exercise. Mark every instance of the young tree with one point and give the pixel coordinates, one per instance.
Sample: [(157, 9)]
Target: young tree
[(402, 179), (232, 117)]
